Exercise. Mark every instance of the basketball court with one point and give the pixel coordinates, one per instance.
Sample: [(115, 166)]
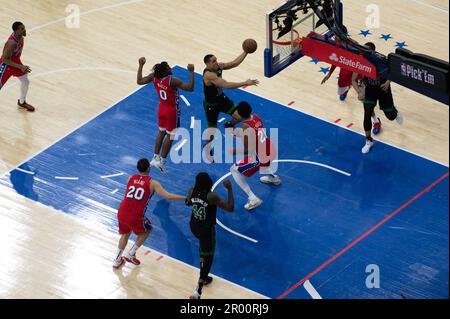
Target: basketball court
[(337, 215)]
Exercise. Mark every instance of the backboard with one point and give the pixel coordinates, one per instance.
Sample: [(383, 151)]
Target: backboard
[(286, 25)]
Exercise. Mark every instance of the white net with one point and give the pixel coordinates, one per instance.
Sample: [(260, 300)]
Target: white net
[(286, 45)]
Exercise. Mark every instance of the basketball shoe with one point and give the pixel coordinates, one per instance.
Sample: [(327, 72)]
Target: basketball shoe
[(269, 179), (253, 203), (132, 259), (366, 148), (26, 106), (377, 127), (208, 281), (118, 263), (343, 97)]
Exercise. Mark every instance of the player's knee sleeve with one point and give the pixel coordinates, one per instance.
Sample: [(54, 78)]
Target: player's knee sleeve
[(205, 267), (24, 80), (368, 111), (367, 122)]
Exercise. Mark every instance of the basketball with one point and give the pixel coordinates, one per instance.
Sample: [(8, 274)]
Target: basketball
[(249, 45)]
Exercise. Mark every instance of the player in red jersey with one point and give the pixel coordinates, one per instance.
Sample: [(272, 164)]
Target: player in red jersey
[(168, 110), (345, 76), (131, 214), (259, 153), (344, 81), (11, 65)]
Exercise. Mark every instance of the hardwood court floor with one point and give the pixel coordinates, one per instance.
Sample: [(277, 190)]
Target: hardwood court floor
[(79, 72)]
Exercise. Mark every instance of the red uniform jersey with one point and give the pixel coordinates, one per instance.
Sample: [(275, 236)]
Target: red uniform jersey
[(168, 109), (345, 78), (137, 196), (264, 147), (8, 71), (17, 52), (168, 96)]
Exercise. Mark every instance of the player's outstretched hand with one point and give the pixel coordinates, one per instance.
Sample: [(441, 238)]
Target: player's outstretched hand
[(326, 78), (190, 67), (142, 61), (227, 184), (361, 96), (25, 69), (385, 86), (250, 82)]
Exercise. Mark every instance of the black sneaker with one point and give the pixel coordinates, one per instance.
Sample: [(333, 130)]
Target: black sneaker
[(208, 281)]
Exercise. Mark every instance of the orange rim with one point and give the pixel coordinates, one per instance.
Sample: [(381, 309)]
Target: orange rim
[(295, 40)]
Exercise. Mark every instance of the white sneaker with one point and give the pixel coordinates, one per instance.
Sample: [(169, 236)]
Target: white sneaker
[(367, 147), (154, 162), (159, 164), (269, 179), (399, 118), (253, 203), (118, 263), (195, 295), (162, 166)]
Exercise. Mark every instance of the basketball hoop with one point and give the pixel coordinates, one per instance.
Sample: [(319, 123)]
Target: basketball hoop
[(287, 44), (282, 51)]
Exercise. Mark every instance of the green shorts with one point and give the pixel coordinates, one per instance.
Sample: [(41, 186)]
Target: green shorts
[(213, 110), (385, 99)]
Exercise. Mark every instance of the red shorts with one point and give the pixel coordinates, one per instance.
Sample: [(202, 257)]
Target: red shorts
[(7, 71), (248, 166), (128, 222), (168, 117), (345, 78)]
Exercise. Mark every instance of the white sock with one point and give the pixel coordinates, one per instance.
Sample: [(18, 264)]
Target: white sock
[(156, 157), (240, 180), (25, 83), (119, 253), (375, 119), (133, 250)]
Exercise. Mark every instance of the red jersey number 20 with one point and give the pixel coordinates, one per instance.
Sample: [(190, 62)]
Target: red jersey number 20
[(136, 193)]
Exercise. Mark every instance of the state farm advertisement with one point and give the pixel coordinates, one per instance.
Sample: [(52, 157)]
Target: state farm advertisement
[(339, 57)]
